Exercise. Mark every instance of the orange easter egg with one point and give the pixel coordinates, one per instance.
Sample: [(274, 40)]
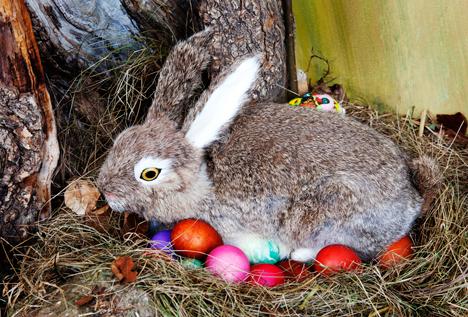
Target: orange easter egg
[(397, 252), (194, 238)]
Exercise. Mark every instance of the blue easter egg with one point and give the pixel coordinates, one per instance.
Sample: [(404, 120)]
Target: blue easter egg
[(161, 240)]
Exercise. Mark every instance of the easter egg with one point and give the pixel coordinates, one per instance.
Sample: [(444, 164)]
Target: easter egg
[(229, 263), (336, 257), (194, 238), (294, 269), (161, 240), (257, 249), (397, 252), (191, 263), (266, 275)]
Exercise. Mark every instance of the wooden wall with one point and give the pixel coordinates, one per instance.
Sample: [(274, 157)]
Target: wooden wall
[(395, 53)]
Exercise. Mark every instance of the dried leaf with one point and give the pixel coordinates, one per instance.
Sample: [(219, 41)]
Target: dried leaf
[(456, 137), (81, 196), (83, 300), (456, 122), (122, 267), (134, 223)]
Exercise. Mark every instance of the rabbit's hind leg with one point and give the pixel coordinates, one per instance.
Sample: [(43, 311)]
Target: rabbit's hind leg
[(314, 218)]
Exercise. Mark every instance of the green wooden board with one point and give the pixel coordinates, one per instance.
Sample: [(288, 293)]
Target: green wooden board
[(395, 53)]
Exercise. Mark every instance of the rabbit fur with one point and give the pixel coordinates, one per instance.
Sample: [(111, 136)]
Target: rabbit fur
[(301, 178)]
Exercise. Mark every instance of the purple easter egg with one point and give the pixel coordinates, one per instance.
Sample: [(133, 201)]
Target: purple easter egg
[(229, 263), (161, 240)]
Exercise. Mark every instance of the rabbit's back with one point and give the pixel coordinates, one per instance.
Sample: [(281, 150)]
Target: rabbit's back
[(311, 178), (275, 148)]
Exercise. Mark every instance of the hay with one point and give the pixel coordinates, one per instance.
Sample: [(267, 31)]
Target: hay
[(70, 259), (101, 103)]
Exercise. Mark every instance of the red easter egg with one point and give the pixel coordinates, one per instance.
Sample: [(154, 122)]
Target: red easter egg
[(294, 269), (397, 252), (266, 275), (194, 238), (336, 257)]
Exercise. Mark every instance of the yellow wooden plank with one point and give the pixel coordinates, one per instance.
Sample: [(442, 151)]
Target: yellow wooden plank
[(397, 53)]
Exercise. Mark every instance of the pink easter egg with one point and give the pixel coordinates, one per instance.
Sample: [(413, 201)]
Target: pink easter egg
[(229, 263)]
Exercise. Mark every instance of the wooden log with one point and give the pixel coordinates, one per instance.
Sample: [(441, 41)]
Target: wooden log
[(161, 19), (237, 29), (244, 28), (75, 34), (29, 150)]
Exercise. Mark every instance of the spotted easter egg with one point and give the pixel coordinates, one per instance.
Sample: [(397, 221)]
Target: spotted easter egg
[(191, 263)]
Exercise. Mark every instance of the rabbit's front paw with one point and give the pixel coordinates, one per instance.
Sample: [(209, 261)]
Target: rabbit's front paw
[(257, 248)]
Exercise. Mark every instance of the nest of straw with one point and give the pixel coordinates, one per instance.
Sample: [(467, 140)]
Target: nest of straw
[(72, 259)]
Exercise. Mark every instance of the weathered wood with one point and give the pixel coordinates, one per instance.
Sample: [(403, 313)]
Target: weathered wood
[(237, 29), (290, 49), (177, 18), (74, 34), (244, 28), (29, 150)]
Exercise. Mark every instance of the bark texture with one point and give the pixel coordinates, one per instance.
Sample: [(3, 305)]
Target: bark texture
[(74, 34), (78, 33), (244, 28), (234, 30), (29, 149)]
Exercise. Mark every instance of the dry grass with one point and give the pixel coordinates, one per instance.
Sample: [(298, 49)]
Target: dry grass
[(71, 258), (101, 102)]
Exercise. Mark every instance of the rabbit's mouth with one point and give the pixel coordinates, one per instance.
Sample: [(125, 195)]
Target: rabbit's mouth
[(114, 202)]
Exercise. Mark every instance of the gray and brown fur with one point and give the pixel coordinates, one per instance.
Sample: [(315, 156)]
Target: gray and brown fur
[(300, 177)]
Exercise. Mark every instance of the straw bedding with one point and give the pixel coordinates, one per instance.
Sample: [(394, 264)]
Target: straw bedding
[(70, 258)]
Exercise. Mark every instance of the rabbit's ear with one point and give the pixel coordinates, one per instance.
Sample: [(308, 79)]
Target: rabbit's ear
[(180, 76), (223, 104)]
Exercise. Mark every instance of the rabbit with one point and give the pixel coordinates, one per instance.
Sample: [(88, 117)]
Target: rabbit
[(270, 172)]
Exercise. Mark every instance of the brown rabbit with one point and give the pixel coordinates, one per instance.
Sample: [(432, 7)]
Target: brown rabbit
[(267, 172)]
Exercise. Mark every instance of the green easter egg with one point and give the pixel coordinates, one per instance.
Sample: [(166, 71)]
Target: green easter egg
[(191, 263), (265, 251)]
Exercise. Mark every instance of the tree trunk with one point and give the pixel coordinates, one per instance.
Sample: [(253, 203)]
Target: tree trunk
[(237, 29), (29, 149), (75, 34), (245, 27)]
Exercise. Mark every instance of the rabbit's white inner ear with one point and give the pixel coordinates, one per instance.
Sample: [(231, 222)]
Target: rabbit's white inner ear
[(223, 104), (165, 165)]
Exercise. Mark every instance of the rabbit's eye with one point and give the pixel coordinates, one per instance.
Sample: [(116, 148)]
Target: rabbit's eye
[(150, 173), (325, 101)]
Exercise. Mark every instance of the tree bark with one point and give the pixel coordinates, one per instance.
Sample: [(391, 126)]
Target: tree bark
[(29, 149), (76, 34), (247, 27), (237, 29)]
